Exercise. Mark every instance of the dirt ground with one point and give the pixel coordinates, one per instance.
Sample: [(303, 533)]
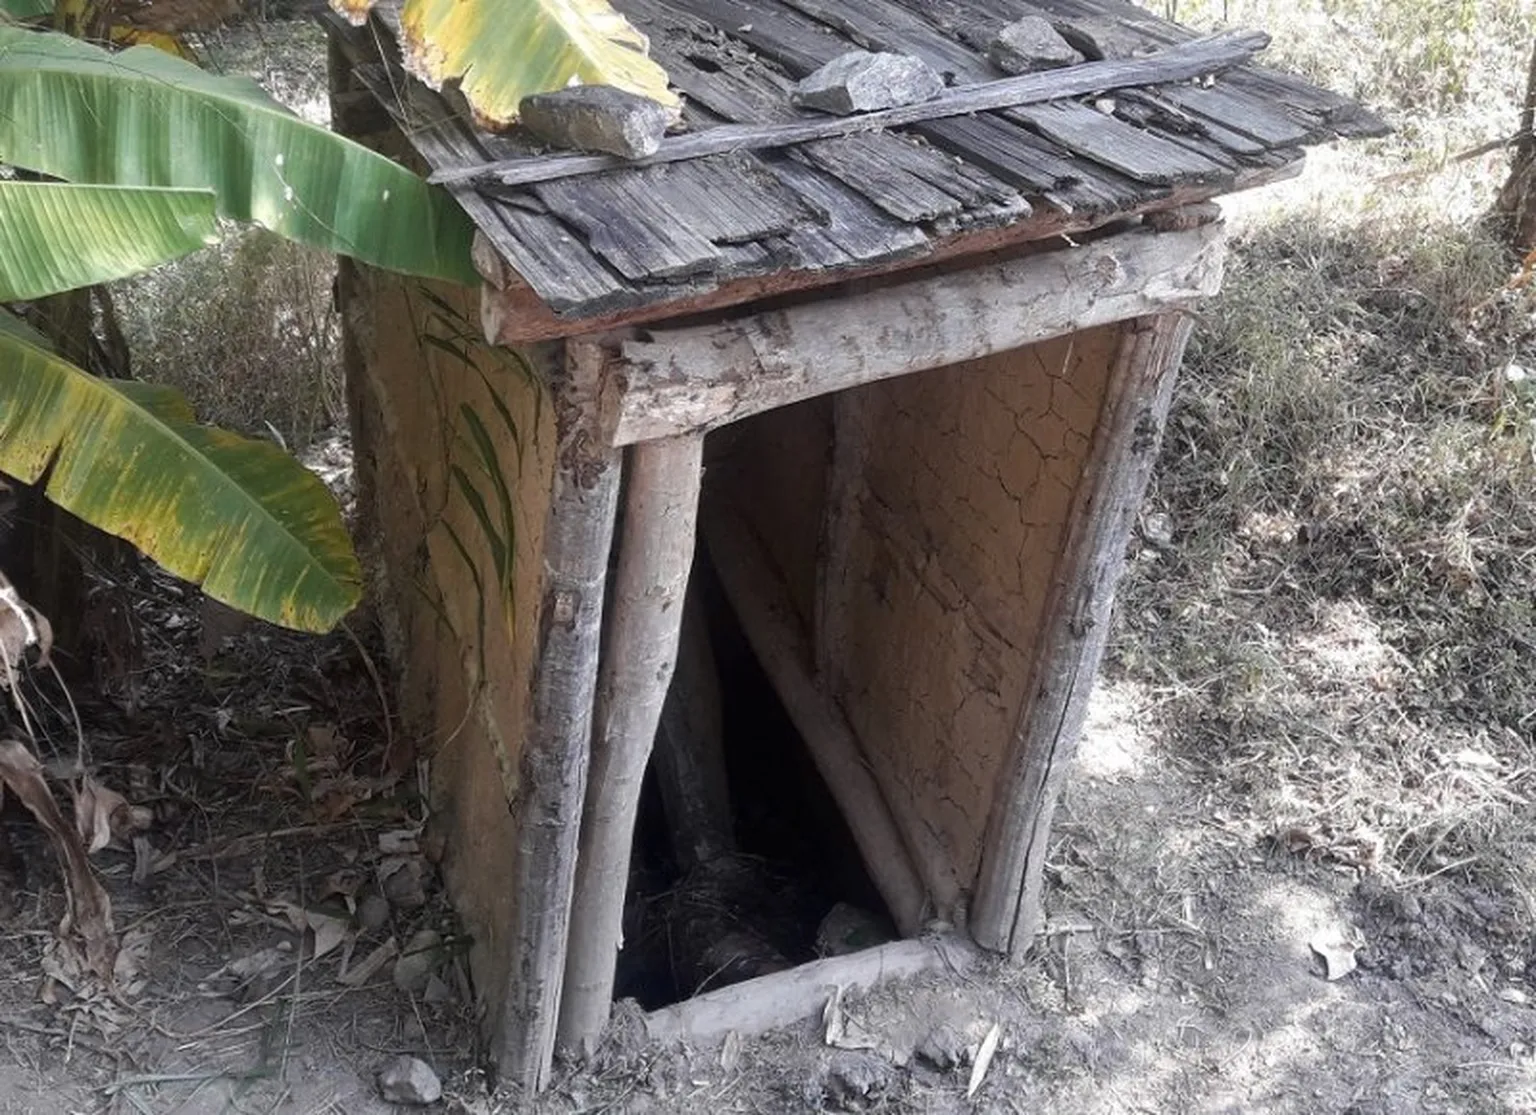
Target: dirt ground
[(1311, 753), (1180, 971)]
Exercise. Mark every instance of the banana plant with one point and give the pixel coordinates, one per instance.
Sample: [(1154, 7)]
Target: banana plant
[(559, 43), (145, 155), (133, 158)]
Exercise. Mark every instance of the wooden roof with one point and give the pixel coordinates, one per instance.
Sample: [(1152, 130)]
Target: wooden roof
[(599, 237)]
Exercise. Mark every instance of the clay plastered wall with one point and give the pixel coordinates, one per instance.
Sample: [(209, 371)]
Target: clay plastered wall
[(454, 464), (772, 470), (955, 487)]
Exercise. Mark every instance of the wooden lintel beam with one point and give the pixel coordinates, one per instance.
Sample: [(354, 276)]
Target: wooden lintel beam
[(684, 380)]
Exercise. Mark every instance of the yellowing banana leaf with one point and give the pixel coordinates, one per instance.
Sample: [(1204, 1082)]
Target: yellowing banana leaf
[(58, 236), (501, 51), (240, 517), (144, 118)]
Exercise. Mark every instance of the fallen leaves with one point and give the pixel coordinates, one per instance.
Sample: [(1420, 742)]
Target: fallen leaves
[(87, 910)]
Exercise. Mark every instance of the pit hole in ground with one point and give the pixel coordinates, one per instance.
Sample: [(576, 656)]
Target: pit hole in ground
[(794, 887)]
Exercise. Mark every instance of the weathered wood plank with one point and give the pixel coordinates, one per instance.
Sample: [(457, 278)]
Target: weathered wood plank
[(1241, 113), (691, 379), (1132, 151), (1037, 165), (1006, 910), (785, 998), (771, 30), (513, 313), (1194, 59), (851, 228), (762, 605), (908, 179), (727, 199), (631, 225), (1150, 107), (884, 25), (661, 499)]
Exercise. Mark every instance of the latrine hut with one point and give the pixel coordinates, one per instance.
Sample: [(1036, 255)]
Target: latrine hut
[(890, 385)]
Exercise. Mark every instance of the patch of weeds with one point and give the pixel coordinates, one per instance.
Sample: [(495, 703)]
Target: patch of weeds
[(247, 329), (1342, 624)]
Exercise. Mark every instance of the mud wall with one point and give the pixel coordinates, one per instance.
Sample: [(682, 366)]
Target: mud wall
[(948, 509), (452, 441)]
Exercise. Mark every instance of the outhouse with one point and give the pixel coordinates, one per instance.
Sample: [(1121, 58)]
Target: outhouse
[(890, 385)]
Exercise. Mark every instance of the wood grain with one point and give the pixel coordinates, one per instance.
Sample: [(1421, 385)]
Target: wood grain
[(696, 379)]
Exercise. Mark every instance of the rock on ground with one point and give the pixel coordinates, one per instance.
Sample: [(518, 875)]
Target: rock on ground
[(409, 1080)]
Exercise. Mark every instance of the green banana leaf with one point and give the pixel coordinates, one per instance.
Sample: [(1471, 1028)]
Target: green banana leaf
[(500, 51), (240, 517), (56, 236), (144, 118), (24, 11)]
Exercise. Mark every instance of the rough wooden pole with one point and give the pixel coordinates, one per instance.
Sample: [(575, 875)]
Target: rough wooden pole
[(553, 768), (655, 553), (762, 605), (1006, 911), (690, 749)]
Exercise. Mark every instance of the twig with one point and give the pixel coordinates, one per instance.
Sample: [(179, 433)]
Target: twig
[(378, 687)]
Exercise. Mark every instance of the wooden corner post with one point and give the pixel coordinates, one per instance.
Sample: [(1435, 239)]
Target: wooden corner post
[(1006, 908), (656, 544), (553, 769)]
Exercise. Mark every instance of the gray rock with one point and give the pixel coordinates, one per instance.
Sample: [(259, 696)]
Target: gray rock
[(1031, 44), (597, 118), (409, 1080), (417, 961), (404, 881), (943, 1047), (863, 82), (855, 1078), (372, 912)]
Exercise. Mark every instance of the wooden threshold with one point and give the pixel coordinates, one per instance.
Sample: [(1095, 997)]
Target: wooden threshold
[(685, 380), (785, 998)]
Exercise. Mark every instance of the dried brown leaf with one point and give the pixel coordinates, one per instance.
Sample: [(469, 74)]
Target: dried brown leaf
[(88, 911)]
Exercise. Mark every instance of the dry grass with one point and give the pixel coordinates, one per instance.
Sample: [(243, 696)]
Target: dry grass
[(248, 329), (1342, 622)]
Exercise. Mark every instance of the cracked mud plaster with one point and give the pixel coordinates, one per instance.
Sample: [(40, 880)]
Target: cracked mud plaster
[(464, 694), (934, 611)]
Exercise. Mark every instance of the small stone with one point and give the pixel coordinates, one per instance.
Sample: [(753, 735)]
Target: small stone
[(846, 929), (372, 913), (409, 1080), (863, 82), (943, 1047), (597, 118), (403, 881), (855, 1077), (1030, 44), (417, 961), (437, 993), (1514, 995)]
